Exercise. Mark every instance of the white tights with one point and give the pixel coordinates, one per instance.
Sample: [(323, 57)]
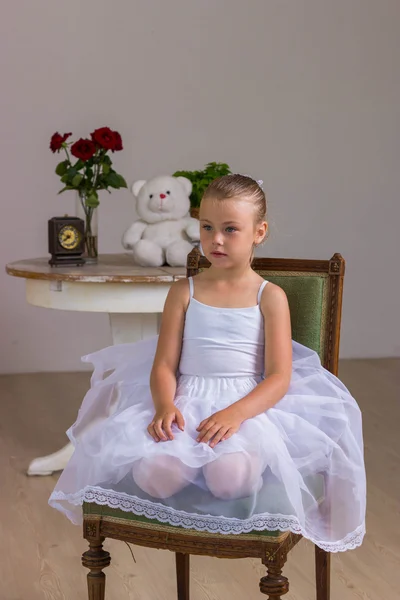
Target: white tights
[(162, 477), (230, 477), (233, 476)]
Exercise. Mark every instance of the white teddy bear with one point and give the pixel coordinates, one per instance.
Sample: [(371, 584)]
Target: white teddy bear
[(165, 230)]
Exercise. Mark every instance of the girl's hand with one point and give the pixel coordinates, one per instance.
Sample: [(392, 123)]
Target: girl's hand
[(220, 426), (160, 427)]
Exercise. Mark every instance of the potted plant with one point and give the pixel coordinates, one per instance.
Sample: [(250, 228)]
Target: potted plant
[(200, 181), (90, 172)]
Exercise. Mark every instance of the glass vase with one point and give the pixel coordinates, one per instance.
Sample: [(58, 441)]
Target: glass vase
[(90, 218)]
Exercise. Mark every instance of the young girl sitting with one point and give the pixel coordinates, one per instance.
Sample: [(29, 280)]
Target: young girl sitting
[(221, 423)]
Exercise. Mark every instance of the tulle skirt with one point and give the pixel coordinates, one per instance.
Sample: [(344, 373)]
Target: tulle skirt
[(297, 467)]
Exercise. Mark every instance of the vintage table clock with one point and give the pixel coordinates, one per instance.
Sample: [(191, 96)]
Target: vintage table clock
[(66, 241)]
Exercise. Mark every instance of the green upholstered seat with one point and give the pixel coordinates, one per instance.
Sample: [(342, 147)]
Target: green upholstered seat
[(307, 296), (116, 515)]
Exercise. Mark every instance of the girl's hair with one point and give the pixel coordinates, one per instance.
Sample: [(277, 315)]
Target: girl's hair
[(239, 186)]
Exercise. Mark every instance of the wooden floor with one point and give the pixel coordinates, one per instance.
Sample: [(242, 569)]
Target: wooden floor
[(40, 549)]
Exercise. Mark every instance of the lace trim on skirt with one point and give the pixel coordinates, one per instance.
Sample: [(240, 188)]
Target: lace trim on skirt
[(209, 523)]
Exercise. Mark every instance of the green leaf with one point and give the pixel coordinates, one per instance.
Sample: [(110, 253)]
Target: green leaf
[(77, 179), (112, 180), (122, 182), (64, 178), (201, 179), (187, 174), (71, 174), (107, 160), (106, 168), (67, 187), (79, 164), (62, 167), (92, 200)]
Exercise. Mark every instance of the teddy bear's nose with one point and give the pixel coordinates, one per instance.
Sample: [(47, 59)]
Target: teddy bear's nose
[(163, 196)]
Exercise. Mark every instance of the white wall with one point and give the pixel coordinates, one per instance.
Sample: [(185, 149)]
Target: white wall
[(304, 94)]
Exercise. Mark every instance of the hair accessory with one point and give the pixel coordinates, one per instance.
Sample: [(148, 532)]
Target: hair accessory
[(258, 181)]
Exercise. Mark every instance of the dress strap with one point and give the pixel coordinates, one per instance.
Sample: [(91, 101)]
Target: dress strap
[(191, 286), (260, 291)]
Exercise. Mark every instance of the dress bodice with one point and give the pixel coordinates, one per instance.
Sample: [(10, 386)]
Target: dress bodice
[(222, 342)]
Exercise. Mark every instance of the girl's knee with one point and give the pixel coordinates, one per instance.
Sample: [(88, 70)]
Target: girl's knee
[(233, 476), (161, 477)]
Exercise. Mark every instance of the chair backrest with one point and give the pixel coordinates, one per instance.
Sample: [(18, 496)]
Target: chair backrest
[(314, 289)]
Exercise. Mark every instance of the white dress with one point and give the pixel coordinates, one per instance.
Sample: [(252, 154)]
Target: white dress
[(297, 467)]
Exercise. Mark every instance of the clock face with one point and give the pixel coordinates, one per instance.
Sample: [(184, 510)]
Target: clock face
[(69, 237)]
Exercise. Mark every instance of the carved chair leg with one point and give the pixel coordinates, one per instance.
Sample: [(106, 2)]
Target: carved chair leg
[(322, 574), (96, 559), (274, 584), (182, 575)]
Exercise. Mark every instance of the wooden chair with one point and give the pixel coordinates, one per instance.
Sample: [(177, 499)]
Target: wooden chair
[(314, 289)]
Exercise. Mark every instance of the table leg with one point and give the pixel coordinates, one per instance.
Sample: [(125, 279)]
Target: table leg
[(133, 327), (125, 328)]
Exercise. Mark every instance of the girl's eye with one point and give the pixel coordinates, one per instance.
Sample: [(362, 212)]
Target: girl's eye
[(207, 227), (231, 229)]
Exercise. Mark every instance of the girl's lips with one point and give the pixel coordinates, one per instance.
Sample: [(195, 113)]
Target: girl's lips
[(218, 254)]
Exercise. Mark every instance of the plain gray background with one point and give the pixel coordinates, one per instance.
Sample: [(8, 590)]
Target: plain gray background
[(304, 94)]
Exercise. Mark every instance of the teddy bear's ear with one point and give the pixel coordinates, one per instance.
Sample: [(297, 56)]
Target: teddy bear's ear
[(137, 186), (186, 183)]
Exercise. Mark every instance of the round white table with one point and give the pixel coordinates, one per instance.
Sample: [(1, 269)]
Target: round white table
[(132, 296)]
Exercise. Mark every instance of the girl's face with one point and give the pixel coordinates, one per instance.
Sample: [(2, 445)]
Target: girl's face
[(228, 231)]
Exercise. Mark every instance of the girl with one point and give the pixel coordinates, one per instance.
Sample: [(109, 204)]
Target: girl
[(240, 428)]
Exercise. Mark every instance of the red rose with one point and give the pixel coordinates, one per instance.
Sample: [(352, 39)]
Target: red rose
[(105, 138), (118, 141), (57, 141), (83, 149)]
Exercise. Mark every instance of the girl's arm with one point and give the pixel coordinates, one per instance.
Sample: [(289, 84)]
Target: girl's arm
[(278, 370), (166, 360)]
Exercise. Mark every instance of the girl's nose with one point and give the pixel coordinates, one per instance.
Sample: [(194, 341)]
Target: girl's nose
[(162, 196), (217, 239)]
